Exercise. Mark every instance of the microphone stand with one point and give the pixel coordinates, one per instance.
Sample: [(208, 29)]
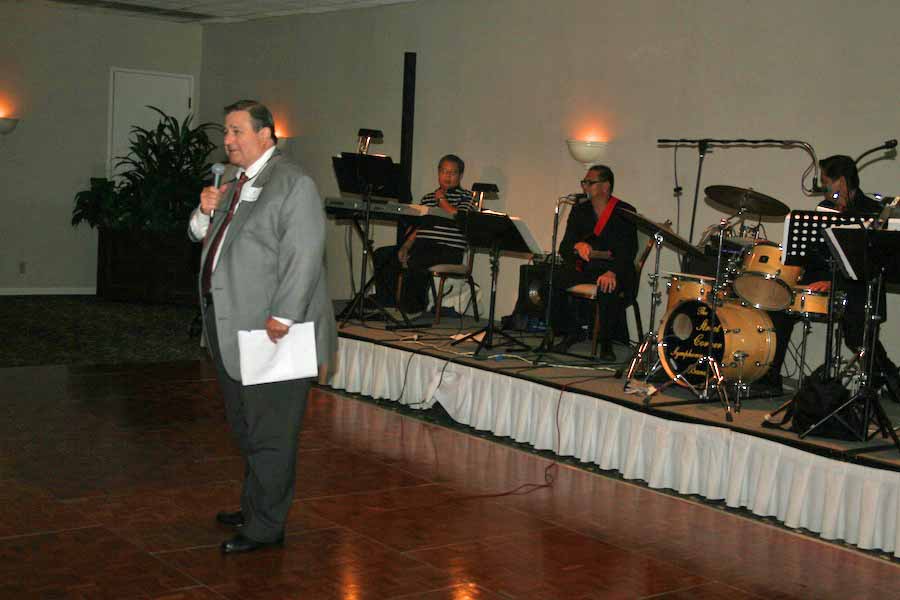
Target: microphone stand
[(702, 146), (704, 143), (547, 343)]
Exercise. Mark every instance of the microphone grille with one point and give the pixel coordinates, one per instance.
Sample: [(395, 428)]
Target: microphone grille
[(218, 169)]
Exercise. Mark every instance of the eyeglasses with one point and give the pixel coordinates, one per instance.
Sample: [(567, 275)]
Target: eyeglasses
[(589, 182)]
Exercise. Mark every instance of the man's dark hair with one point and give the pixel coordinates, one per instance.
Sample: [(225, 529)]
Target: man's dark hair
[(838, 166), (260, 115), (604, 173), (460, 164)]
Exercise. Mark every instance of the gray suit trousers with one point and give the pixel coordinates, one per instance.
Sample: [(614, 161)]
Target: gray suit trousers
[(266, 420)]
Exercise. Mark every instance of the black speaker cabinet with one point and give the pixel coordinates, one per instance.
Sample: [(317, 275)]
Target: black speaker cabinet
[(533, 290)]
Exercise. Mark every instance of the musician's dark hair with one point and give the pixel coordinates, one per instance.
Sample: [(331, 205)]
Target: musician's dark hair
[(841, 165), (260, 115), (460, 164), (604, 173)]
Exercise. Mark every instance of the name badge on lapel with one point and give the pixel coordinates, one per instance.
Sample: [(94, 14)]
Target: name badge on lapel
[(250, 193)]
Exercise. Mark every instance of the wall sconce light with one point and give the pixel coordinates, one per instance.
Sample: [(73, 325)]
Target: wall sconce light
[(7, 124), (586, 152)]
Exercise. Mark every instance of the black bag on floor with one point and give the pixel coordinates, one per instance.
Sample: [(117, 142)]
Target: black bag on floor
[(818, 397)]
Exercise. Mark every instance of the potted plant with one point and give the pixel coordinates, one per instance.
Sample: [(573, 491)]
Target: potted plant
[(142, 214)]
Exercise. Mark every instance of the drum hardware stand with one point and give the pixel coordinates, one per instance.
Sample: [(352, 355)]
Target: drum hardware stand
[(651, 338), (801, 368), (741, 389), (714, 378)]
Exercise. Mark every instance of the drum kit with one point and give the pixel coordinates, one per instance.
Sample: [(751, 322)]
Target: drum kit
[(716, 336)]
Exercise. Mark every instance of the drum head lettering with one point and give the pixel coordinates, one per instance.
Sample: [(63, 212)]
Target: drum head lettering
[(687, 335)]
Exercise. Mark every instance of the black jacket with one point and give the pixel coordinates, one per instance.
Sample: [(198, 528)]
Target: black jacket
[(619, 236)]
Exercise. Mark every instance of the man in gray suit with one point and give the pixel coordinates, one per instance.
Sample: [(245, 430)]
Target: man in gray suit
[(262, 267)]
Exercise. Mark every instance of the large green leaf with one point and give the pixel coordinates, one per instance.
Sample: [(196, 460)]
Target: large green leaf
[(159, 180)]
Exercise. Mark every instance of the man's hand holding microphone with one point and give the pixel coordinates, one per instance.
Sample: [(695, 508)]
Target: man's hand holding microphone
[(211, 196)]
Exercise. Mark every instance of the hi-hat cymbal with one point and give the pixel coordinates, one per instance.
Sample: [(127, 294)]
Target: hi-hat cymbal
[(750, 201)]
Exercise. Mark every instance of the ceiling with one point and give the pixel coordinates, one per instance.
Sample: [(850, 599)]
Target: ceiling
[(211, 11)]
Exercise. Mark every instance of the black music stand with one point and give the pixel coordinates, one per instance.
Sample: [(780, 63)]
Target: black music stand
[(873, 257), (495, 232), (367, 175), (804, 237)]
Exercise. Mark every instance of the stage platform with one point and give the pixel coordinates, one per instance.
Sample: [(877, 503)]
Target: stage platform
[(839, 490)]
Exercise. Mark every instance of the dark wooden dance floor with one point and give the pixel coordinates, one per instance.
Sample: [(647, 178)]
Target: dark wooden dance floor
[(111, 477)]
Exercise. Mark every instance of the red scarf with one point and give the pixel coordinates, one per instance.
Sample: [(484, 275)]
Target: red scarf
[(602, 220), (605, 215)]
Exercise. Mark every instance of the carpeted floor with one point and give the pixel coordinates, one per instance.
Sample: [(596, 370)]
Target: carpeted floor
[(48, 330)]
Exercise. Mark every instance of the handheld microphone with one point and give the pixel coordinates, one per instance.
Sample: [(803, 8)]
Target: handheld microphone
[(572, 199), (218, 170)]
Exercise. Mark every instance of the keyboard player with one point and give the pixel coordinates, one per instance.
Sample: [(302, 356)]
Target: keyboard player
[(425, 246)]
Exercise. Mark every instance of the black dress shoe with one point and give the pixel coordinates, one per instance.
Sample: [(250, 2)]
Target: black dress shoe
[(232, 519), (241, 543)]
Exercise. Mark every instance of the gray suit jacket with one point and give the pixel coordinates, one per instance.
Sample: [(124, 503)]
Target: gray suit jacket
[(272, 262)]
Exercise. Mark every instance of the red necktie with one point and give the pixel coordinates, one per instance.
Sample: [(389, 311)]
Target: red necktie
[(206, 279)]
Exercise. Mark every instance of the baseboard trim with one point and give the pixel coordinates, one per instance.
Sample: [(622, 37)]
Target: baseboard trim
[(49, 291)]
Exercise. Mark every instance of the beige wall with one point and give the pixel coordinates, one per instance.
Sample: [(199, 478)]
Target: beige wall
[(54, 73), (505, 82), (501, 82)]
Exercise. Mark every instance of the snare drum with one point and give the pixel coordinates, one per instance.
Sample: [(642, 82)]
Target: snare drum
[(744, 350), (763, 281), (809, 305)]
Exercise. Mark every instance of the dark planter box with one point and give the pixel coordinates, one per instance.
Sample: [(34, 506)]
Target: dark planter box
[(138, 266)]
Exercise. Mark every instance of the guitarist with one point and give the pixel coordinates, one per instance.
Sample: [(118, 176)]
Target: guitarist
[(596, 225)]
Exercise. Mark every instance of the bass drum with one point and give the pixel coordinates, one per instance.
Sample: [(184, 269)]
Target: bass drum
[(745, 350)]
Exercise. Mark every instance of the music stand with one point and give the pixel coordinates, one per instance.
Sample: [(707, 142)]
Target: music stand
[(367, 175), (495, 232), (873, 257), (804, 237)]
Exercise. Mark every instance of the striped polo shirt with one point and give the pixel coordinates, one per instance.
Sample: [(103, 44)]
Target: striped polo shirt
[(447, 234)]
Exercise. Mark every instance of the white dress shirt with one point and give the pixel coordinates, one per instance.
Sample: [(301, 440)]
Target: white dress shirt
[(200, 222)]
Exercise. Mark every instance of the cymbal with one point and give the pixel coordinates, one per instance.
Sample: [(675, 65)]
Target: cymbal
[(670, 238), (750, 201)]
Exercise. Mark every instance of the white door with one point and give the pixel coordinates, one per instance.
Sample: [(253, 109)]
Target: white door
[(131, 92)]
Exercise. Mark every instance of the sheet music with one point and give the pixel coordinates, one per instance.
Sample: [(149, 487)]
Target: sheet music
[(835, 245), (523, 230)]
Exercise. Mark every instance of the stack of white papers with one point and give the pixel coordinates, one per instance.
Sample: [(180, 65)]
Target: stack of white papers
[(264, 361)]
